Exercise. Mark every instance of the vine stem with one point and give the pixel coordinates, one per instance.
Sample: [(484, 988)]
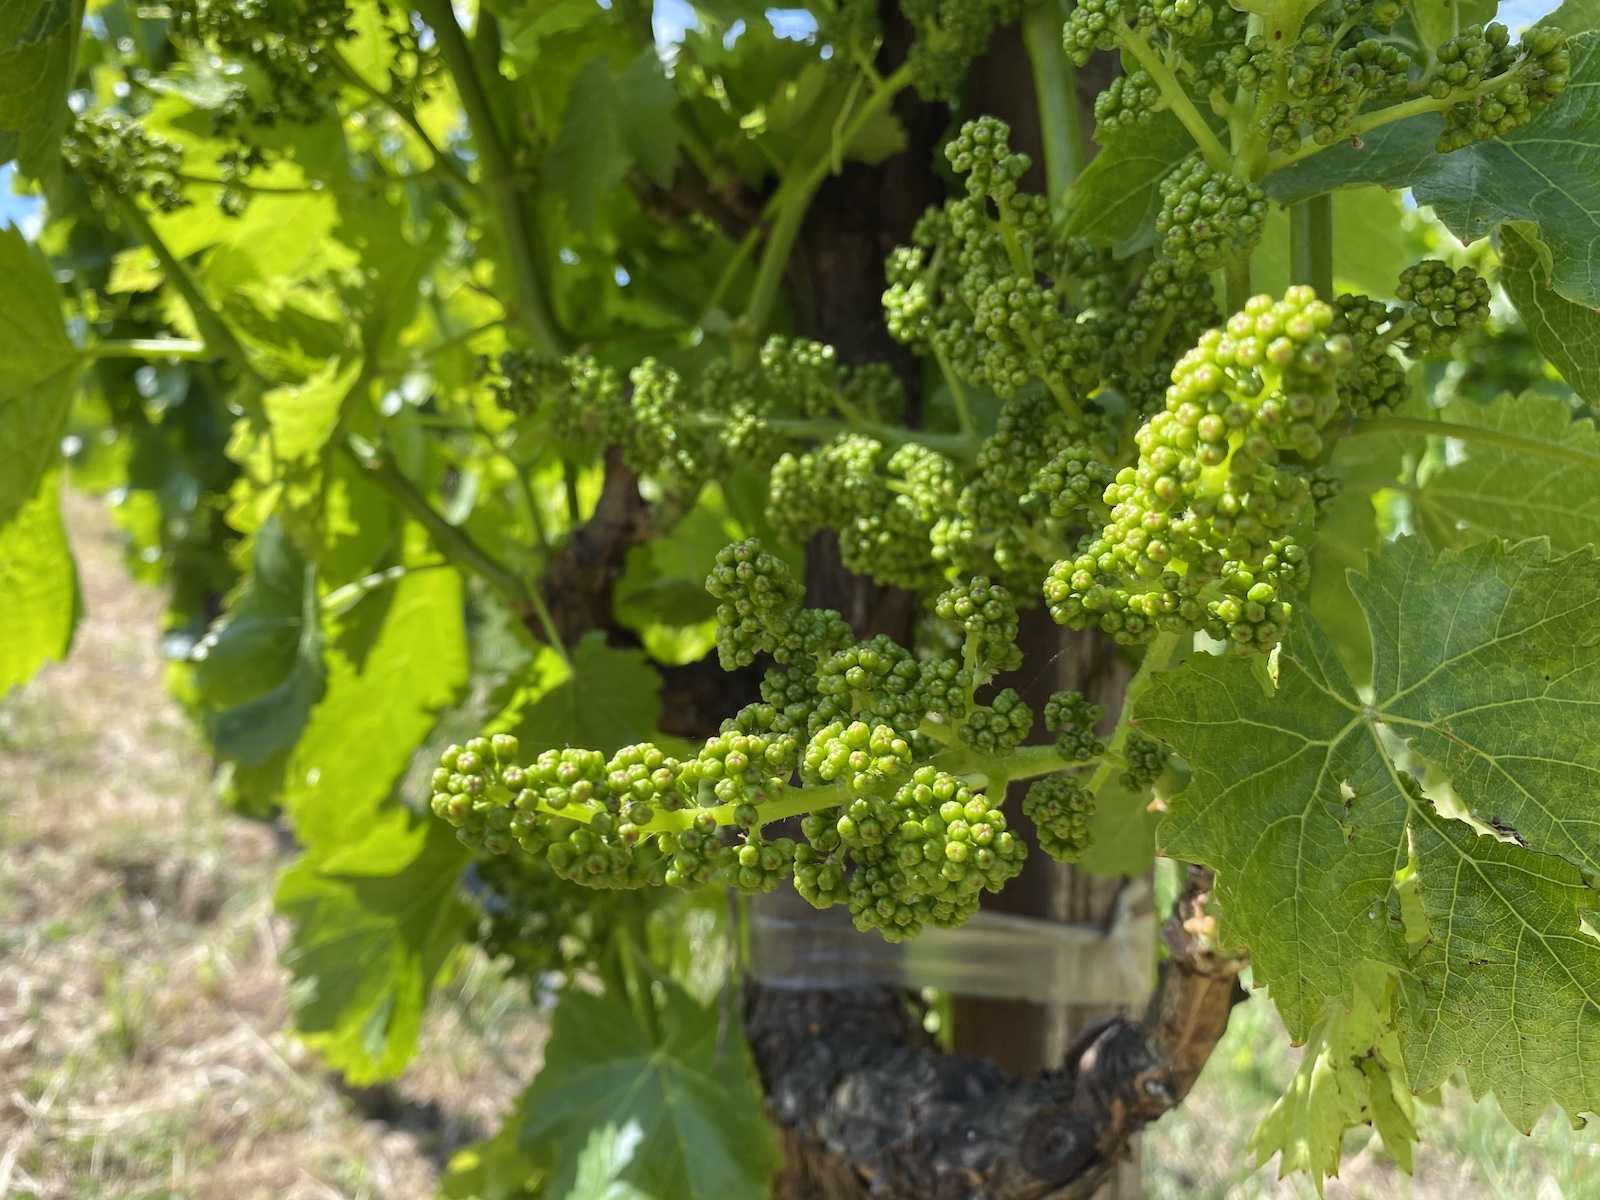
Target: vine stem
[(1236, 280), (441, 159), (794, 198), (1311, 244), (957, 445), (499, 177), (986, 771), (1554, 451), (1055, 88), (1158, 657), (1380, 117), (455, 543), (216, 331), (168, 349), (1177, 99)]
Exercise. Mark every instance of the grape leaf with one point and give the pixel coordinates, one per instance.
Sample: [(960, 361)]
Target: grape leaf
[(38, 585), (376, 924), (1115, 199), (1438, 20), (1487, 660), (1122, 833), (392, 663), (1546, 174), (304, 415), (1567, 334), (1347, 1077), (258, 671), (606, 699), (38, 367), (38, 50), (662, 596), (686, 1088), (1484, 490), (1348, 529), (612, 121), (1574, 16)]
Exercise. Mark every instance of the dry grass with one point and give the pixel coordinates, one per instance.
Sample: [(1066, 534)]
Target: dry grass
[(143, 1014)]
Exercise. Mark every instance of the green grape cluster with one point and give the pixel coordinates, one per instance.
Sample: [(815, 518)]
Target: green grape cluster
[(1442, 302), (883, 505), (120, 159), (1072, 718), (1061, 809), (1438, 304), (681, 431), (856, 735), (1208, 215), (291, 43), (1320, 78), (1205, 530), (999, 726), (1130, 100), (986, 614), (1053, 326), (540, 925), (1496, 87), (1145, 760), (950, 34), (924, 854)]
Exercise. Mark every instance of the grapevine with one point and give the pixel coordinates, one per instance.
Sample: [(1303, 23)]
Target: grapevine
[(498, 391)]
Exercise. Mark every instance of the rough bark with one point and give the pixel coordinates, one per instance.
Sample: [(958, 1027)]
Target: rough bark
[(870, 1107)]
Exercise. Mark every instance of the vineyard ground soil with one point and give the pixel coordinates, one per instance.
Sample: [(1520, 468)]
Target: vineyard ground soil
[(144, 1044)]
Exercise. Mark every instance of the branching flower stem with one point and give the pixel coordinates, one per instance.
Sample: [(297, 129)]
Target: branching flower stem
[(455, 543), (216, 331), (1311, 243), (1176, 98), (442, 159), (981, 770), (1159, 656)]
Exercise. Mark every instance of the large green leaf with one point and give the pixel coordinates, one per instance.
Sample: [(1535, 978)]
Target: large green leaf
[(1439, 20), (1348, 529), (38, 586), (1567, 334), (662, 593), (612, 121), (38, 367), (1348, 1076), (685, 1087), (304, 415), (393, 662), (38, 48), (1546, 174), (1491, 490), (606, 699), (375, 925), (1487, 660), (258, 670), (1116, 199)]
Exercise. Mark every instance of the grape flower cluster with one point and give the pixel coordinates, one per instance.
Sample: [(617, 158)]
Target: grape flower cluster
[(886, 756)]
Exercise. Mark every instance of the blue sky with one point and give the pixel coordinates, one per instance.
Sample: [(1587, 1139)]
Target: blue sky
[(14, 209)]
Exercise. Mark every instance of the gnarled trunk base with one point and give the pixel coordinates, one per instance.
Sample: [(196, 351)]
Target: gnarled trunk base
[(870, 1107)]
